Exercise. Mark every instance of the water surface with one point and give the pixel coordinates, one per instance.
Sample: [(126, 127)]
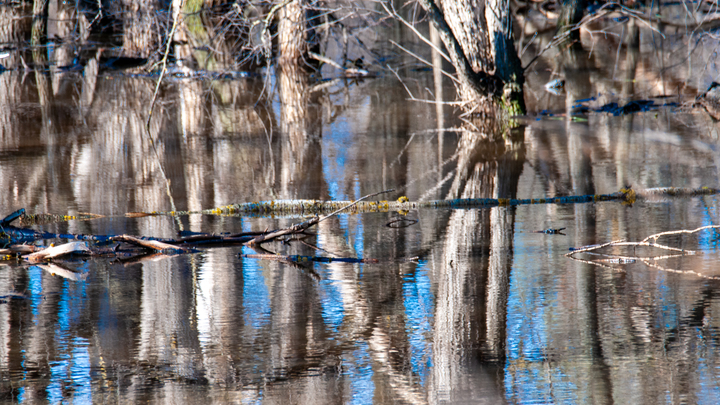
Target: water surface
[(466, 306)]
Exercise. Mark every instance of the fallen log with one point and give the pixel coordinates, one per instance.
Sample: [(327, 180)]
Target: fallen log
[(316, 207), (57, 251)]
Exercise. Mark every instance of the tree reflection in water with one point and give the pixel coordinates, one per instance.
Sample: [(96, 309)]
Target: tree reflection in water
[(491, 312)]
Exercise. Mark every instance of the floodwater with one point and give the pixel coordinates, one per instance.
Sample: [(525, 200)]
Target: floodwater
[(465, 306)]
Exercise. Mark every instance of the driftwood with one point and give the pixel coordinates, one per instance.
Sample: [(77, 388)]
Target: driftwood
[(608, 260), (57, 251)]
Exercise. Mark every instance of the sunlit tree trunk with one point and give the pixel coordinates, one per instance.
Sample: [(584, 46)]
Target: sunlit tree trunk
[(292, 32), (479, 41), (466, 18)]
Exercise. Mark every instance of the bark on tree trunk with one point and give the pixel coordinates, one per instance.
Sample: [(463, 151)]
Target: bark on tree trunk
[(507, 63), (480, 44), (467, 21), (475, 87), (292, 30), (571, 12), (139, 37)]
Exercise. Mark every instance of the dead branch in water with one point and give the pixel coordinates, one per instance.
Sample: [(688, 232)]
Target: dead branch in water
[(309, 207), (151, 244), (57, 251), (650, 261)]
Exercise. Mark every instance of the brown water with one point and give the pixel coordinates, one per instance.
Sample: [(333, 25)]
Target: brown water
[(466, 306)]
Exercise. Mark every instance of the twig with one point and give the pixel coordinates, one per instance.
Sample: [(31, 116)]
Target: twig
[(346, 71), (169, 41), (558, 39), (151, 244), (354, 203), (648, 261), (98, 16), (413, 98), (397, 16)]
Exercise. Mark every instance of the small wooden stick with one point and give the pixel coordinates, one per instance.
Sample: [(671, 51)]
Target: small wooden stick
[(151, 244)]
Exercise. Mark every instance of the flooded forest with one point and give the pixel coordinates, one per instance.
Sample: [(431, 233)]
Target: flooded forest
[(356, 202)]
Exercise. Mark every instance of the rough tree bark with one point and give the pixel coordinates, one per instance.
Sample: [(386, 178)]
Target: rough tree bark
[(479, 41), (292, 32), (139, 18), (502, 48)]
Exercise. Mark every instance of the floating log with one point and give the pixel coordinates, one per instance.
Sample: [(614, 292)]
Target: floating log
[(57, 251), (318, 206)]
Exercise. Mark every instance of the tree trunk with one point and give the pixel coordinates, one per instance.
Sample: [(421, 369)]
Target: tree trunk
[(467, 21), (292, 30), (507, 63), (475, 87), (571, 12), (480, 44)]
